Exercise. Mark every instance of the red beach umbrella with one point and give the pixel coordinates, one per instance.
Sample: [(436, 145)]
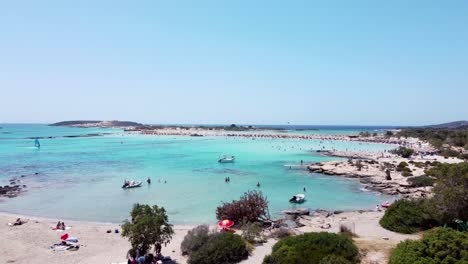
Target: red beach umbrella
[(64, 237), (225, 223)]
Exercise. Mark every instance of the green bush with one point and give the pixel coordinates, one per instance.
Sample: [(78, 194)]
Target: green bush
[(195, 239), (406, 174), (408, 216), (333, 259), (403, 164), (403, 152), (313, 248), (440, 245), (223, 248), (421, 181)]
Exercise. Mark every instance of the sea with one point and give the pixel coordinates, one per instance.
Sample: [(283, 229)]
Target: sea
[(77, 173)]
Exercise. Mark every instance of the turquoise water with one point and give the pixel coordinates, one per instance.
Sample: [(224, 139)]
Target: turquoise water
[(81, 178)]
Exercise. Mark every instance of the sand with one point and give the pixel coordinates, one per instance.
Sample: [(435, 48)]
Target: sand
[(29, 243), (373, 241)]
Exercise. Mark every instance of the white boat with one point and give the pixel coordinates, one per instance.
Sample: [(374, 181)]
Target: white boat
[(226, 159), (298, 198), (131, 184)]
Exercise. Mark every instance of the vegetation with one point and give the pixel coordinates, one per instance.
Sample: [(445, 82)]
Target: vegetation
[(149, 225), (364, 134), (451, 191), (408, 216), (421, 181), (252, 232), (251, 207), (403, 152), (333, 259), (313, 248), (220, 248), (441, 138), (195, 239), (407, 174), (440, 245)]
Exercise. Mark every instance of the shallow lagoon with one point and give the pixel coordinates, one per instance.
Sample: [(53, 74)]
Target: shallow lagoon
[(80, 178)]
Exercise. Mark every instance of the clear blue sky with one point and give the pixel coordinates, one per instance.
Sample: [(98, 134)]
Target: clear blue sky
[(263, 62)]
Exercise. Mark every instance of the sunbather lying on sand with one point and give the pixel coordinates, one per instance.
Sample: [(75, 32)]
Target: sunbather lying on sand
[(18, 222)]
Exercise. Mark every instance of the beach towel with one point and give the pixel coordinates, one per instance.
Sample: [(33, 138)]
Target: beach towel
[(60, 230)]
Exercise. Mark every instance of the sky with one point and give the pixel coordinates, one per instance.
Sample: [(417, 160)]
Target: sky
[(244, 62)]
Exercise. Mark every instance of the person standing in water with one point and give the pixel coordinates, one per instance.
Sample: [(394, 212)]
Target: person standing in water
[(258, 184), (148, 180)]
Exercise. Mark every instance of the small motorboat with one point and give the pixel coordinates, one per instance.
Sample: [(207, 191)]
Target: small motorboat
[(226, 159), (298, 198), (386, 204), (131, 184)]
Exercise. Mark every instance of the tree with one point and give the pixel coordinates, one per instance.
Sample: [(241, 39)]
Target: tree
[(387, 175), (440, 245), (251, 207), (451, 191), (359, 165), (149, 225), (403, 152)]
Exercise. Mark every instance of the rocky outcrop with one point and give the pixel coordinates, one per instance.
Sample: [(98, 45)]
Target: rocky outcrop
[(371, 174), (14, 188)]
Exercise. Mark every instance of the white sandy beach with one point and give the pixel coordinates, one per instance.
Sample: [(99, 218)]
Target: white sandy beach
[(29, 243)]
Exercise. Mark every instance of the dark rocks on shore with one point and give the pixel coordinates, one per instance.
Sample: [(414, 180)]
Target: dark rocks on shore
[(297, 212), (10, 191)]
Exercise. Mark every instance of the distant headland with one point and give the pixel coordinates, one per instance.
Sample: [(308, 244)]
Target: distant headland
[(97, 123)]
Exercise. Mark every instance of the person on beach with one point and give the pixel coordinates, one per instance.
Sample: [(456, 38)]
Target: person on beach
[(59, 225), (18, 222), (157, 249)]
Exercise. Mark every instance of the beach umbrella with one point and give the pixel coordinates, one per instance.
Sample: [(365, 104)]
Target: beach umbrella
[(225, 223), (64, 237)]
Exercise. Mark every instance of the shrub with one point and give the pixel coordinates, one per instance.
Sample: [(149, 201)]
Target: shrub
[(406, 174), (312, 248), (421, 181), (149, 225), (333, 259), (252, 232), (251, 207), (403, 152), (403, 164), (408, 216), (440, 245), (281, 232), (195, 239), (222, 248)]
